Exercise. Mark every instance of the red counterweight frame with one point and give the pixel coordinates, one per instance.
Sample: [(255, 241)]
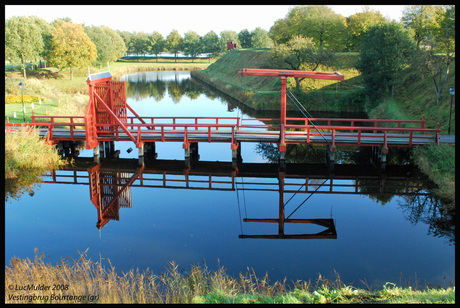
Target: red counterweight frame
[(284, 74)]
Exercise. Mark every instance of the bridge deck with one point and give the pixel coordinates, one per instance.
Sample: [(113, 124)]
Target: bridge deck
[(345, 138)]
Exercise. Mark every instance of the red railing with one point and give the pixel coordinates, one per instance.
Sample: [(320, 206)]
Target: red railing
[(209, 127), (329, 121)]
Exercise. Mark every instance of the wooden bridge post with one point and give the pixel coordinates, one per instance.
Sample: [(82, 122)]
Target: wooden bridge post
[(66, 146), (107, 149), (236, 155), (149, 150), (194, 151), (281, 176), (96, 157), (190, 153), (330, 157), (141, 155), (330, 153), (379, 157)]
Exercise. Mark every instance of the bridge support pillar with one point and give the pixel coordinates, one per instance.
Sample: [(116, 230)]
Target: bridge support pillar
[(107, 149), (191, 154), (194, 151), (379, 157), (66, 146), (141, 155), (330, 157), (96, 157), (150, 151), (330, 153), (282, 161), (68, 149), (236, 156), (101, 149)]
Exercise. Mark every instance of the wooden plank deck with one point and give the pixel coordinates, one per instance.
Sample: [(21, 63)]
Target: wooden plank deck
[(264, 137)]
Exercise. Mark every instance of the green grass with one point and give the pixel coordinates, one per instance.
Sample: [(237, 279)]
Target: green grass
[(55, 100), (438, 162), (199, 285), (416, 97), (263, 93)]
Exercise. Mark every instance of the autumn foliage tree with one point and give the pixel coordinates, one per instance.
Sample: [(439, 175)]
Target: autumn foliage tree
[(71, 47)]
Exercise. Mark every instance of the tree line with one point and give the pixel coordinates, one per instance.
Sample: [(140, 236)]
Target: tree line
[(424, 39), (64, 44), (191, 44), (307, 37)]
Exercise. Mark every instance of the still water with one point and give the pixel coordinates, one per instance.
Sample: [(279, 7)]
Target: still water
[(355, 221)]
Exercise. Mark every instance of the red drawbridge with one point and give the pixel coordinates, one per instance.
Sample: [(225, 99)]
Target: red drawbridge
[(106, 119)]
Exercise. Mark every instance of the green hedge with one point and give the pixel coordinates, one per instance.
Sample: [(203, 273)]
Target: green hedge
[(14, 99)]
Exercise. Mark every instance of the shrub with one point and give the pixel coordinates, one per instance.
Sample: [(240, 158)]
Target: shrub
[(15, 99)]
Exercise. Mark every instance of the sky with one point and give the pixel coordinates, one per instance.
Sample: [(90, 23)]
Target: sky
[(165, 18)]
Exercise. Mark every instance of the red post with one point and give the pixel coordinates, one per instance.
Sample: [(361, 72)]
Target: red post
[(8, 126), (437, 134), (283, 100), (281, 203), (282, 146)]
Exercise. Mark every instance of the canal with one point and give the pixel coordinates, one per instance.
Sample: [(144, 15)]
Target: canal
[(355, 221)]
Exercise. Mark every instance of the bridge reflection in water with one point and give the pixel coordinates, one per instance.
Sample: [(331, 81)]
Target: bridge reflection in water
[(110, 182)]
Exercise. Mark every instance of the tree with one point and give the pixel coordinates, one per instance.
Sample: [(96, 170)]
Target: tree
[(102, 42), (261, 39), (71, 47), (140, 43), (118, 47), (211, 44), (45, 30), (358, 24), (157, 43), (174, 43), (279, 32), (435, 61), (245, 38), (23, 41), (421, 19), (327, 28), (127, 39), (385, 52), (226, 36), (59, 21), (191, 44), (299, 53), (319, 22), (109, 45)]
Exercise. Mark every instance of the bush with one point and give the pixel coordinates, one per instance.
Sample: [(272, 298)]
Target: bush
[(15, 99)]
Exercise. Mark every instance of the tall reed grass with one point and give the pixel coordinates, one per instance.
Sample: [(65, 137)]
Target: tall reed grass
[(83, 281), (27, 157)]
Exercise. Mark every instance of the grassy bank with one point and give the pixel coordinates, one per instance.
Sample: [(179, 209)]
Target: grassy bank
[(84, 281), (263, 93), (416, 97)]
